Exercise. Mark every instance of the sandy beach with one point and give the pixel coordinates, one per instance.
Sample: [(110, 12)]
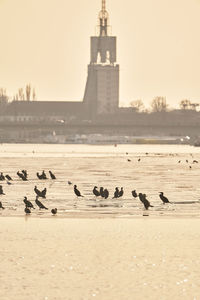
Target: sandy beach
[(57, 259)]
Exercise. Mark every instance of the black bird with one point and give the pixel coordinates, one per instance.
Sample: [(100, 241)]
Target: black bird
[(163, 198), (139, 159), (41, 206), (195, 162), (2, 177), (1, 206), (129, 160), (146, 202), (27, 210), (116, 193), (39, 193), (27, 203), (106, 193), (54, 211), (121, 192), (25, 173), (187, 161), (8, 177), (43, 193), (52, 175), (179, 161), (77, 192), (134, 194), (44, 175), (22, 176), (69, 182), (101, 191), (141, 197), (39, 176), (1, 190), (96, 192)]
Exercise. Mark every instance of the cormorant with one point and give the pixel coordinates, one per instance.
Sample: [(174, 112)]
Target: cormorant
[(69, 182), (96, 192), (27, 210), (1, 190), (116, 193), (121, 192), (54, 211), (52, 175), (41, 206), (134, 194), (77, 192), (28, 203), (2, 177), (146, 202), (1, 206), (22, 176), (106, 193), (8, 177), (163, 198), (101, 191), (40, 193)]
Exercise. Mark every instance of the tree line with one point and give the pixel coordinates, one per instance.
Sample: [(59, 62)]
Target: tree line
[(23, 94)]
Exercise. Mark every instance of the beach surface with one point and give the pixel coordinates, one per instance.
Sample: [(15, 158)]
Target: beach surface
[(65, 259)]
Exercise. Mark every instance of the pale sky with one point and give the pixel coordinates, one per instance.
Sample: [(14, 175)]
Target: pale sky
[(46, 43)]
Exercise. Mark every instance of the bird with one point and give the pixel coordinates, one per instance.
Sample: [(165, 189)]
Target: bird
[(43, 193), (22, 176), (106, 193), (77, 192), (116, 193), (179, 161), (195, 161), (8, 177), (40, 193), (44, 175), (96, 192), (101, 191), (69, 182), (121, 192), (1, 190), (28, 203), (27, 210), (134, 194), (163, 198), (54, 211), (146, 202), (25, 173), (187, 161), (40, 176), (39, 204), (129, 160), (1, 206), (2, 177), (52, 175), (139, 159)]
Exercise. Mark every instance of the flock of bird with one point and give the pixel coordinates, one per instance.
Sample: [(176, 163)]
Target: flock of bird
[(102, 192)]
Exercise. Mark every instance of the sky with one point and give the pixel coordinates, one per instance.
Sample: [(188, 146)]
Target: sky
[(47, 43)]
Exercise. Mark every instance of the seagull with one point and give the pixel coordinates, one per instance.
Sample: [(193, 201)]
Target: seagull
[(54, 211), (77, 192), (163, 198), (41, 206)]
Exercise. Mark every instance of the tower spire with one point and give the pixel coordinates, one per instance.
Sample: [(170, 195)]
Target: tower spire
[(103, 20)]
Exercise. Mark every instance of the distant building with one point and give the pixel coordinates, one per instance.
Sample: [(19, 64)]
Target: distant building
[(102, 87)]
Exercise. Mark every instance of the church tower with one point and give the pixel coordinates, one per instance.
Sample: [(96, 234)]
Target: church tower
[(102, 87)]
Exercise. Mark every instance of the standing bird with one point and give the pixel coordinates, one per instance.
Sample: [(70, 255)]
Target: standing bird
[(96, 192), (27, 203), (22, 176), (163, 198), (8, 177), (40, 193), (54, 211), (134, 194), (77, 192), (106, 193), (146, 202), (121, 192), (39, 204), (27, 210), (101, 191), (1, 206), (2, 177), (1, 190), (116, 193), (52, 175), (69, 182)]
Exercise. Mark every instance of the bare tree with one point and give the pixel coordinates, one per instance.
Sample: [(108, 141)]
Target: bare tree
[(185, 104), (34, 95), (21, 94), (3, 96), (138, 105), (159, 104), (194, 106), (28, 92)]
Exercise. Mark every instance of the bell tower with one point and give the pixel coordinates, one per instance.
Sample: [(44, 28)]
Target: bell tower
[(102, 87)]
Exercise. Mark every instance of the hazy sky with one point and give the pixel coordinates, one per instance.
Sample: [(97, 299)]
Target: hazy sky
[(46, 43)]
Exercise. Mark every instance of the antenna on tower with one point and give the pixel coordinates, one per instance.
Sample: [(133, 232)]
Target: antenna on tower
[(103, 20)]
